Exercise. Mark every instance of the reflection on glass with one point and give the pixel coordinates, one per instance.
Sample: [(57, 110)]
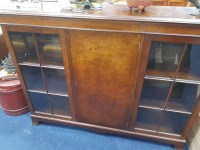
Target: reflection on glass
[(189, 68), (164, 58), (154, 93), (60, 105), (40, 102), (55, 80), (33, 78), (24, 47), (146, 119), (183, 97), (50, 49), (173, 123)]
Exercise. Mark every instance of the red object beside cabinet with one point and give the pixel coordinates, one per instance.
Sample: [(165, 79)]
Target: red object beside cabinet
[(12, 98)]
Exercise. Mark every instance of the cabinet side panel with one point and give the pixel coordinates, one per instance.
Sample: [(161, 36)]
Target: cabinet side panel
[(104, 70)]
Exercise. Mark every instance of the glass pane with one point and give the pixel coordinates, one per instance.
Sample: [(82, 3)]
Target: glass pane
[(33, 78), (154, 93), (56, 82), (173, 123), (163, 59), (60, 105), (189, 68), (50, 49), (148, 119), (24, 47), (40, 102), (183, 97)]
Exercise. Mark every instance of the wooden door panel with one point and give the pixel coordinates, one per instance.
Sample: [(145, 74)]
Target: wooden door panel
[(104, 66)]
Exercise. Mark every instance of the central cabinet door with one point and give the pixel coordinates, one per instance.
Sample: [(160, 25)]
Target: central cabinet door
[(104, 67)]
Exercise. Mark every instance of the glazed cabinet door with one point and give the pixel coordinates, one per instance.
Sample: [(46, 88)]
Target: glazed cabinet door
[(38, 55), (104, 68), (169, 87)]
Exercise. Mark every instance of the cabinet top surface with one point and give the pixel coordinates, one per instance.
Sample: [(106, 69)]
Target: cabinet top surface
[(167, 14)]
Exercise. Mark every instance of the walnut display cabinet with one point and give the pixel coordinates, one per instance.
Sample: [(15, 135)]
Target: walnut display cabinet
[(113, 71)]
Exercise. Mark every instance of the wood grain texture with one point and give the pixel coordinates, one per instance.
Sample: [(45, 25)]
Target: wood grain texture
[(155, 20), (141, 73), (114, 13), (66, 57), (3, 47), (103, 96)]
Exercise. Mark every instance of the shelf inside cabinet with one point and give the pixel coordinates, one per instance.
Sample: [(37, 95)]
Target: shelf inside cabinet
[(24, 47), (51, 62), (158, 78), (58, 94), (154, 94), (168, 76), (146, 119), (40, 102), (163, 59), (187, 78), (53, 67), (173, 123), (37, 91), (33, 78), (60, 105), (55, 81), (29, 64), (189, 67), (183, 97), (50, 50)]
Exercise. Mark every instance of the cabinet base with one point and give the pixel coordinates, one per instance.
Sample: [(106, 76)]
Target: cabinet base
[(35, 121), (179, 146), (178, 142)]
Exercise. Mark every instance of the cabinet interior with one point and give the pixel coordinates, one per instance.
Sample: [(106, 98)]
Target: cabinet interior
[(170, 89)]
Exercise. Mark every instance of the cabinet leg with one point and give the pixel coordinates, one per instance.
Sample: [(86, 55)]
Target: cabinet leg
[(179, 147), (35, 122)]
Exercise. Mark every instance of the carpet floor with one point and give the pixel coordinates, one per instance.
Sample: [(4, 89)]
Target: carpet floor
[(17, 133)]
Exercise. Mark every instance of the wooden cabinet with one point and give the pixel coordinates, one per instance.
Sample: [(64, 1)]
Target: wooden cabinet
[(3, 47), (170, 2), (129, 74)]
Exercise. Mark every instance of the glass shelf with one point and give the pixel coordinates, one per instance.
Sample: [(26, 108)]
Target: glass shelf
[(60, 105), (24, 47), (183, 97), (53, 67), (154, 93), (37, 91), (173, 123), (40, 102), (163, 59), (158, 78), (146, 119), (50, 49), (191, 79), (33, 78), (160, 74), (29, 64)]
